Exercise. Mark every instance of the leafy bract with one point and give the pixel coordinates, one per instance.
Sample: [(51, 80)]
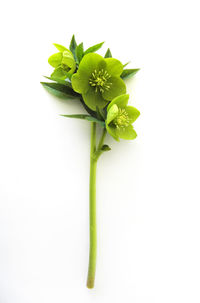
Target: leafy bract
[(93, 48), (129, 72), (108, 54), (79, 52), (60, 81), (73, 46), (85, 117), (60, 90)]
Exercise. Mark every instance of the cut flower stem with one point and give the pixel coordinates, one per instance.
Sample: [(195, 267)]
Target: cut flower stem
[(94, 155)]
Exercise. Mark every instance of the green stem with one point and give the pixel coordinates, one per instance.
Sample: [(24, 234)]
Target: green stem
[(102, 139), (93, 232), (94, 155)]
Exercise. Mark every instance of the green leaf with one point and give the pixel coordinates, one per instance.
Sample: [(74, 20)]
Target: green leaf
[(85, 117), (79, 52), (93, 48), (60, 47), (105, 147), (55, 79), (108, 54), (73, 46), (126, 63), (129, 72), (60, 90)]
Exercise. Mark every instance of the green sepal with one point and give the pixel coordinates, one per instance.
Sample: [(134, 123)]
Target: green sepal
[(60, 47), (55, 60), (112, 113), (85, 117), (129, 72), (108, 54), (59, 72), (79, 52), (128, 133), (60, 90), (93, 48), (73, 46), (133, 113), (121, 101)]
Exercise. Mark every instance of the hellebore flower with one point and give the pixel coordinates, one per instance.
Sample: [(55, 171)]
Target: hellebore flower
[(120, 118), (63, 62), (98, 80)]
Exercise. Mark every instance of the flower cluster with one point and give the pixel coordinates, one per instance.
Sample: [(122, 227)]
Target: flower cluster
[(99, 84)]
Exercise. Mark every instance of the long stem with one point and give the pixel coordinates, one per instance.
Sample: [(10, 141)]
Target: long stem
[(94, 155), (93, 232)]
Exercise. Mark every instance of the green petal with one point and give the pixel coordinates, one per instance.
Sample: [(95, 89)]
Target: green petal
[(59, 73), (127, 133), (80, 83), (93, 99), (55, 59), (114, 67), (117, 88), (89, 63), (112, 131), (68, 60), (120, 101), (133, 113), (112, 113)]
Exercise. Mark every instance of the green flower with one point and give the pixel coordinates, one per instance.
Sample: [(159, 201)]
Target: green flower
[(98, 80), (120, 118), (63, 62)]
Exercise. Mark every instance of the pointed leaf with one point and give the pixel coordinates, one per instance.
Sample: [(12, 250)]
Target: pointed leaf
[(93, 48), (55, 79), (129, 72), (73, 46), (85, 117), (108, 54), (126, 63), (60, 90), (79, 52)]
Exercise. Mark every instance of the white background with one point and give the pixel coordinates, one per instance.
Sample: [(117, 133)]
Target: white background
[(148, 189)]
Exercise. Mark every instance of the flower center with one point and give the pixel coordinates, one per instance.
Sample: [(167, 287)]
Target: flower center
[(122, 119), (99, 80)]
